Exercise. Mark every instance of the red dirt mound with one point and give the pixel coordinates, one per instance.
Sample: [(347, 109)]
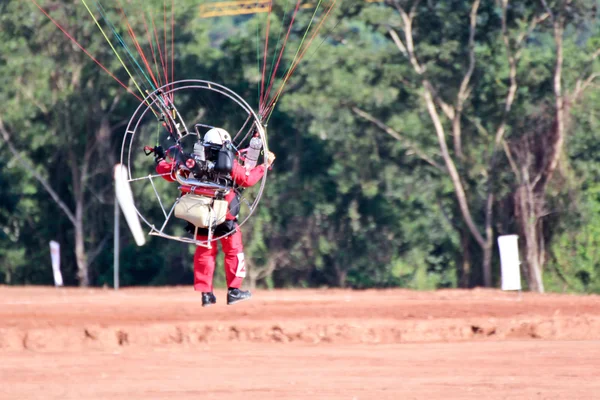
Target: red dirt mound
[(60, 319)]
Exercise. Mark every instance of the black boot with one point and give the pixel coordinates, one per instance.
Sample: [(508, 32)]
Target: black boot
[(208, 298), (235, 295)]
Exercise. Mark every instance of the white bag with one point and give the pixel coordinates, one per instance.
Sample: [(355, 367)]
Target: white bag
[(201, 211)]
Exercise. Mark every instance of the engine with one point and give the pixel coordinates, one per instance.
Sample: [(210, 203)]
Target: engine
[(209, 163)]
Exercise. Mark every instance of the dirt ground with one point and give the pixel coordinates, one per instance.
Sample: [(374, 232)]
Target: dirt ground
[(158, 343)]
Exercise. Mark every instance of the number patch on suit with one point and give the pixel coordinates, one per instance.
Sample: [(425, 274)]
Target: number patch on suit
[(241, 267)]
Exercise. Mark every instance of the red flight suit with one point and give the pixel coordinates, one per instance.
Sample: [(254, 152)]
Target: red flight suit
[(233, 248)]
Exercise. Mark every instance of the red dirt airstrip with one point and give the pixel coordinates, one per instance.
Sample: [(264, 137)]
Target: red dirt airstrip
[(158, 343)]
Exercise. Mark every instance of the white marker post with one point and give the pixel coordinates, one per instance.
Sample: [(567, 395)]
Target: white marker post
[(55, 256), (509, 258)]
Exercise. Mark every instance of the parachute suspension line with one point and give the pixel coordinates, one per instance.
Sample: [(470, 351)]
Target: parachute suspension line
[(303, 38), (150, 41), (165, 42), (104, 15), (313, 38), (151, 37), (124, 45), (162, 62), (264, 69), (278, 40), (112, 47), (156, 40), (155, 46), (327, 36), (272, 80), (86, 52), (154, 85), (137, 45), (294, 66), (258, 65), (141, 52), (172, 47)]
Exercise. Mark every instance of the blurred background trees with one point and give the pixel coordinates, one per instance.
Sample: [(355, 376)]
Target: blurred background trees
[(410, 137)]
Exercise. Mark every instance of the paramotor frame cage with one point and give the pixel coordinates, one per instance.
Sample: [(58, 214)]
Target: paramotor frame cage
[(155, 99)]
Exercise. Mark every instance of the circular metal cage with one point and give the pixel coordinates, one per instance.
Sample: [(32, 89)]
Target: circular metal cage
[(175, 115)]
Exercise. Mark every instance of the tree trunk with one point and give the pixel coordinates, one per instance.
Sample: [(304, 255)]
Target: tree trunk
[(487, 263), (250, 279), (80, 253), (256, 273), (342, 277), (528, 211), (489, 240), (530, 197), (464, 278), (253, 275), (341, 274)]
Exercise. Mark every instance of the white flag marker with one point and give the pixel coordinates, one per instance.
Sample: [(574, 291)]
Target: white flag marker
[(510, 264), (55, 255)]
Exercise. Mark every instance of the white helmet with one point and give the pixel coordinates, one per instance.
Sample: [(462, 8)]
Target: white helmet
[(217, 136)]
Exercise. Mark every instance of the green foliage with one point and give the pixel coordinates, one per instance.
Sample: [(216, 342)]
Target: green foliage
[(575, 263), (346, 204), (574, 257)]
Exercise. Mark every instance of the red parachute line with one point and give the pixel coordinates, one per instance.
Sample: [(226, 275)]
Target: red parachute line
[(85, 51)]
